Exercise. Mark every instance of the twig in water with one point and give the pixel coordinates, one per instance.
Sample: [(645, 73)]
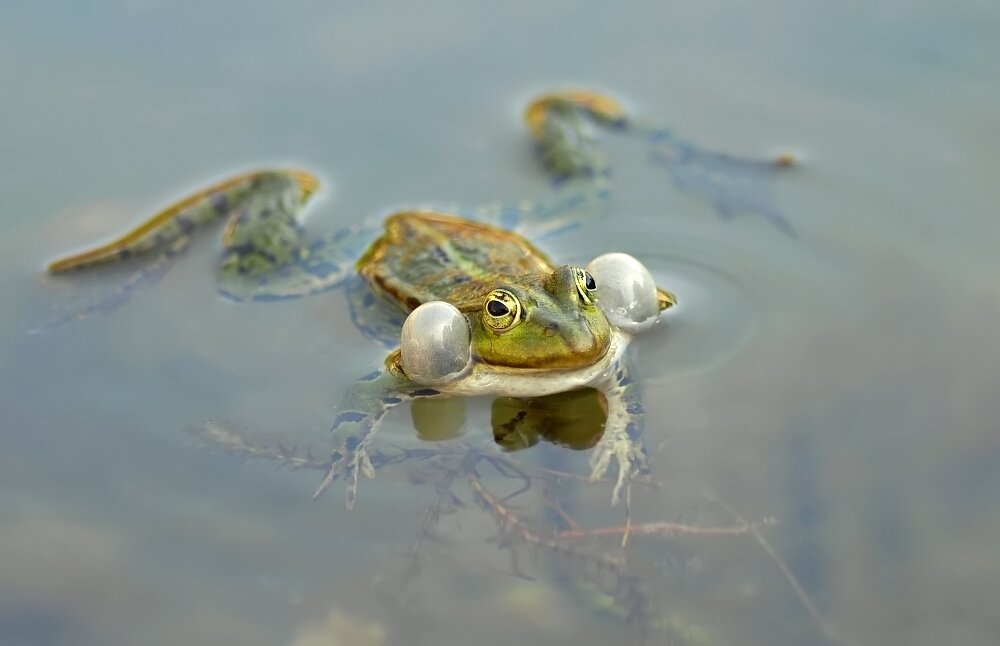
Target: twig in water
[(825, 627)]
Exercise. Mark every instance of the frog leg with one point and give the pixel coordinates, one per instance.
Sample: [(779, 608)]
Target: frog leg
[(562, 125), (360, 414), (622, 440), (269, 257), (261, 232), (183, 217), (159, 240), (323, 263)]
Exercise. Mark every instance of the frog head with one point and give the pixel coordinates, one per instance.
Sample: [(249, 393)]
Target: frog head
[(541, 321), (558, 321)]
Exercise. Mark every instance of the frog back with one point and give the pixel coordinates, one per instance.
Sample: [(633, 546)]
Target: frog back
[(426, 256)]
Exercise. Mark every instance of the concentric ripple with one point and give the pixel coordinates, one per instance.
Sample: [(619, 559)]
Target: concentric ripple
[(722, 306)]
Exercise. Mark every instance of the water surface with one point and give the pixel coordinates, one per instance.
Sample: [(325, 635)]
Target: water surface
[(842, 381)]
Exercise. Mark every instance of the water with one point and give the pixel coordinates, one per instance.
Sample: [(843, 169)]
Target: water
[(842, 381)]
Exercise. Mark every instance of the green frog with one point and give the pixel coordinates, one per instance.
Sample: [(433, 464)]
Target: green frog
[(490, 314), (486, 311)]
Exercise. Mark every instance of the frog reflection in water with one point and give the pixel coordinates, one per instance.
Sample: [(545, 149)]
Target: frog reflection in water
[(573, 419), (487, 312)]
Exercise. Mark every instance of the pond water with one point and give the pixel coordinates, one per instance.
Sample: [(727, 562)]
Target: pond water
[(836, 383)]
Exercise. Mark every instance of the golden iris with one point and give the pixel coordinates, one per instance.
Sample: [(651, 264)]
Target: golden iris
[(501, 310), (586, 286)]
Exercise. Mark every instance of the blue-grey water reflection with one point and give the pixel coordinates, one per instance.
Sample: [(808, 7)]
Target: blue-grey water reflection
[(838, 374)]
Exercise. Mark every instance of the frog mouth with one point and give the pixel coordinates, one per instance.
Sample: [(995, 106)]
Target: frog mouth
[(556, 373), (574, 351)]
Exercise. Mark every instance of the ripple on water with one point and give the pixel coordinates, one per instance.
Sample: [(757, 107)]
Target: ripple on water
[(721, 306)]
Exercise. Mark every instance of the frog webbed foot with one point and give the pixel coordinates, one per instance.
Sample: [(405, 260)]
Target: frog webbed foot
[(350, 455), (360, 415), (731, 185), (622, 441), (320, 264), (266, 253), (628, 453)]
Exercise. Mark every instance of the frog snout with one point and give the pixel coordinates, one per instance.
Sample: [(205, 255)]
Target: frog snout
[(577, 339)]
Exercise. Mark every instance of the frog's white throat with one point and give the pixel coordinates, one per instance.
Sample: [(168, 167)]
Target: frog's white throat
[(477, 378), (483, 379)]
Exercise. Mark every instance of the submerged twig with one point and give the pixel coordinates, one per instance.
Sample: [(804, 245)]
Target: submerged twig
[(665, 529), (432, 514), (597, 568), (220, 436), (606, 572), (829, 633)]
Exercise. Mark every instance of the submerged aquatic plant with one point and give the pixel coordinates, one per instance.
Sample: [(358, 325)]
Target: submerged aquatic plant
[(533, 509)]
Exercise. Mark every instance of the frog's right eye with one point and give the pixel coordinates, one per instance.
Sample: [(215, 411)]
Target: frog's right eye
[(501, 310), (586, 286)]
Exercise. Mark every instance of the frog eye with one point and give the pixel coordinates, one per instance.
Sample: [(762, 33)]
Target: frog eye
[(501, 310), (586, 286)]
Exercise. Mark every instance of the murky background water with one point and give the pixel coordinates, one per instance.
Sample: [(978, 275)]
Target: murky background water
[(845, 381)]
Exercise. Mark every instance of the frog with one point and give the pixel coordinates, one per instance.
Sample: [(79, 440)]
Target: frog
[(490, 314), (471, 305)]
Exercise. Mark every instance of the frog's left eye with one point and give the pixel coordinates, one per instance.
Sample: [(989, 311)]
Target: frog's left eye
[(501, 310), (586, 286)]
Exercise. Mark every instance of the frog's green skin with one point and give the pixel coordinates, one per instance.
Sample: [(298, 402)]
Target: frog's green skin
[(562, 341), (425, 256)]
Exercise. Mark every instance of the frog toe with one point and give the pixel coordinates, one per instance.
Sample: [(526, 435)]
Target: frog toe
[(630, 457), (347, 463)]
